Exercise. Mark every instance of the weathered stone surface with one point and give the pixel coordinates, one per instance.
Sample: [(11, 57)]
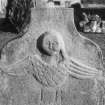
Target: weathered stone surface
[(14, 51), (71, 76)]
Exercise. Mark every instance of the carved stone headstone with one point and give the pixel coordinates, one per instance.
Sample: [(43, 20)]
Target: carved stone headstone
[(52, 64)]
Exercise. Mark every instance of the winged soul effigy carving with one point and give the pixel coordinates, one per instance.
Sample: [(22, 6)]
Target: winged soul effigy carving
[(52, 63)]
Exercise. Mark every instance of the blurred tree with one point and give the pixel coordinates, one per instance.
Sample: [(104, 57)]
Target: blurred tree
[(19, 13)]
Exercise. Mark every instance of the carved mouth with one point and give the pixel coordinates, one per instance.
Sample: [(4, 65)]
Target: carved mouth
[(81, 71)]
